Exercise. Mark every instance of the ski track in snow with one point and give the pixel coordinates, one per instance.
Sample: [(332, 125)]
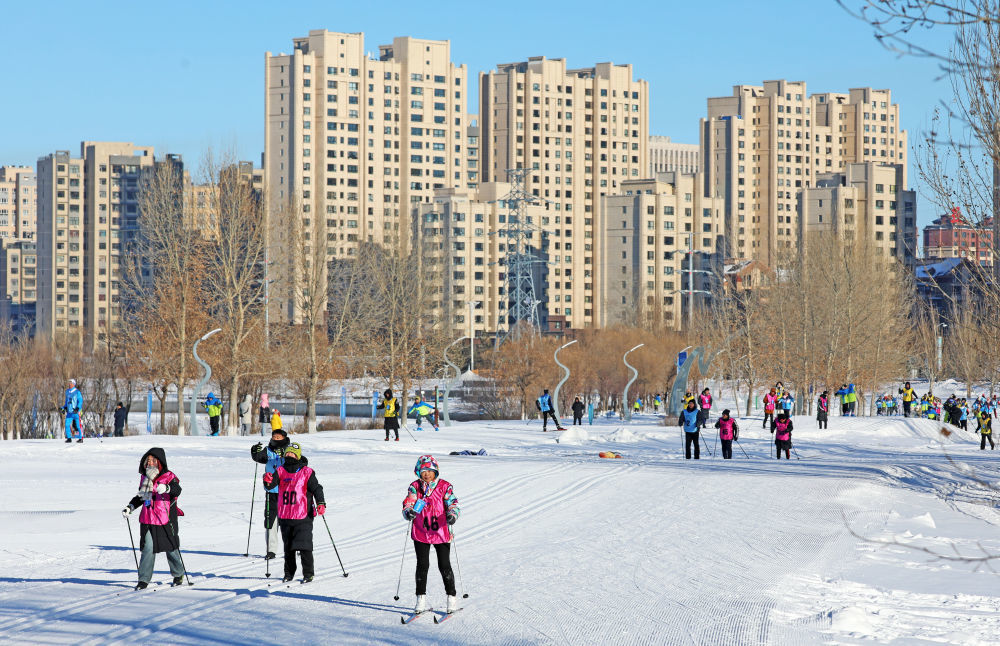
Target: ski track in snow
[(555, 546)]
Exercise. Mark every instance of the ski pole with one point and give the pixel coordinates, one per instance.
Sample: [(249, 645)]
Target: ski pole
[(253, 494), (716, 441), (132, 540), (401, 559), (705, 444), (407, 429), (334, 545), (458, 565), (177, 547), (794, 451), (741, 448)]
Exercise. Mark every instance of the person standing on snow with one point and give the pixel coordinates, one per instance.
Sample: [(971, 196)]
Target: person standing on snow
[(214, 407), (431, 508), (275, 421), (300, 497), (688, 420), (704, 407), (422, 410), (842, 393), (264, 414), (544, 405), (158, 492), (71, 408), (577, 412), (986, 431), (273, 456), (391, 417), (787, 402), (770, 402), (852, 400), (121, 419), (823, 409), (245, 410), (728, 431), (782, 429)]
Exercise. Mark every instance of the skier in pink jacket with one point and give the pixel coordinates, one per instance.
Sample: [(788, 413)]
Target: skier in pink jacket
[(770, 401), (431, 507)]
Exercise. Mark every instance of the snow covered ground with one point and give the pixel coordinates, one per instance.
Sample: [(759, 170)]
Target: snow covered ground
[(555, 545)]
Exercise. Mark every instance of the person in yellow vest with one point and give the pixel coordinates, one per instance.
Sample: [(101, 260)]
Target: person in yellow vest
[(908, 398), (391, 406), (275, 420)]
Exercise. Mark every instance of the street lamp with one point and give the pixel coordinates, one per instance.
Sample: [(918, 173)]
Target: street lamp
[(472, 336), (939, 344), (201, 384)]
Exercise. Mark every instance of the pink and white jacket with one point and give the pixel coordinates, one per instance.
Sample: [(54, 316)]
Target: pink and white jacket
[(431, 524)]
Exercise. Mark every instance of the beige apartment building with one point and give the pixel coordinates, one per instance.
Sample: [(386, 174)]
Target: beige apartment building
[(19, 284), (764, 144), (86, 204), (582, 132), (665, 156), (462, 256), (359, 140), (645, 232), (18, 203), (864, 201)]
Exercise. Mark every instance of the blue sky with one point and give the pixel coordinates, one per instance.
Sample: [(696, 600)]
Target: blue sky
[(185, 76)]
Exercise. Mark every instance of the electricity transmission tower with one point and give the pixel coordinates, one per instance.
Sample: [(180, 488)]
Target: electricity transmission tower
[(521, 314)]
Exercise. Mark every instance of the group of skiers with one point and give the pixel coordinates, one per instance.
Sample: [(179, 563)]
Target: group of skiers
[(294, 497)]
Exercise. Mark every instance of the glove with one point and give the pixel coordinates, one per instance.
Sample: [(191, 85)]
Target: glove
[(268, 479), (408, 514), (452, 518), (161, 488), (321, 509), (126, 511), (256, 448)]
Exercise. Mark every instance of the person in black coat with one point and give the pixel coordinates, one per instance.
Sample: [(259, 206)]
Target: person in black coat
[(121, 419), (578, 412), (158, 530)]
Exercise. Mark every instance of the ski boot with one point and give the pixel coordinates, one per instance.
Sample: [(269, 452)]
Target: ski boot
[(307, 579), (452, 604), (287, 578), (421, 604), (141, 585), (269, 556), (178, 580)]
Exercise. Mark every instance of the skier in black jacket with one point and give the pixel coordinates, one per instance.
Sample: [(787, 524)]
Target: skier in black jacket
[(578, 412)]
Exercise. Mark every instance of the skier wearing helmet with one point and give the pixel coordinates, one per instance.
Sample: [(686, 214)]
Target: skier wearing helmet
[(431, 507)]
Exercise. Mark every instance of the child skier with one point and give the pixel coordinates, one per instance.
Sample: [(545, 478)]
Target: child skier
[(782, 429), (300, 497), (273, 455), (688, 420), (214, 407), (158, 491), (431, 507), (704, 407), (391, 418), (787, 402), (728, 431), (421, 410), (823, 409), (275, 421), (986, 431), (770, 401)]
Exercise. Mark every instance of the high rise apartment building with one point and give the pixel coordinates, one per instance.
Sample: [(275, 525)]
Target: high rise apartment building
[(86, 205), (359, 140), (952, 236), (19, 285), (582, 132), (665, 156), (865, 201), (765, 144), (18, 203), (646, 233)]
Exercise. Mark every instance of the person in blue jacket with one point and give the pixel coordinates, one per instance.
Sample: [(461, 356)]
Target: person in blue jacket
[(689, 421), (72, 407), (544, 405), (787, 402), (214, 407), (272, 456)]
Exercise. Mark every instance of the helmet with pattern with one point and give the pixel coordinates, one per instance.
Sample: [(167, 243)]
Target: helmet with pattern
[(426, 463)]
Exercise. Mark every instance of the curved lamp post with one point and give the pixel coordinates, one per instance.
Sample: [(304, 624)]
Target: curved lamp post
[(201, 384), (555, 399), (449, 384), (635, 375)]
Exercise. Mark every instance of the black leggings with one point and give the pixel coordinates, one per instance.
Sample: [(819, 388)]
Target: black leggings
[(690, 438), (982, 442), (727, 449), (545, 419), (443, 550), (767, 415)]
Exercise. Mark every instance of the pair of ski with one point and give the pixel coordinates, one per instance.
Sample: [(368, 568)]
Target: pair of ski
[(438, 617)]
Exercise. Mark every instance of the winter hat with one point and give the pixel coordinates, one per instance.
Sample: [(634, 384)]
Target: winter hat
[(72, 381), (294, 449), (725, 411), (426, 463), (388, 393), (281, 431)]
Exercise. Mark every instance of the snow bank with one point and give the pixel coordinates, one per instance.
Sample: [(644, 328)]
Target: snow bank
[(573, 435), (624, 435)]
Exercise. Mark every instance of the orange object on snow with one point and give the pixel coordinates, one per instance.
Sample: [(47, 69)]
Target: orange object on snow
[(609, 454)]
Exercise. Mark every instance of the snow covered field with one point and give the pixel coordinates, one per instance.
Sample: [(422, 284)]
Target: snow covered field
[(555, 545)]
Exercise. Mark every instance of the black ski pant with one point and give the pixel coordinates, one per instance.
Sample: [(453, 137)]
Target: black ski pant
[(578, 420), (982, 443), (690, 438), (906, 408), (767, 416), (443, 550), (545, 419), (308, 566), (727, 449), (213, 422), (391, 424), (822, 420)]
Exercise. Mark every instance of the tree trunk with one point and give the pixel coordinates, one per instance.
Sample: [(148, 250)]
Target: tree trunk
[(181, 382)]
